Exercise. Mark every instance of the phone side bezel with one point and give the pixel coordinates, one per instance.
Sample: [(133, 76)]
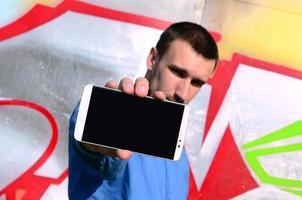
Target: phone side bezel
[(82, 114), (182, 133)]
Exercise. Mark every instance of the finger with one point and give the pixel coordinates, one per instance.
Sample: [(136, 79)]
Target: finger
[(111, 84), (126, 85), (159, 95), (124, 154), (141, 87)]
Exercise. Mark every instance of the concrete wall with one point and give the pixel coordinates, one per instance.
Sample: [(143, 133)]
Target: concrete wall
[(244, 139)]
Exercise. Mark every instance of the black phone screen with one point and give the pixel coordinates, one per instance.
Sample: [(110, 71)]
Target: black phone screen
[(129, 122)]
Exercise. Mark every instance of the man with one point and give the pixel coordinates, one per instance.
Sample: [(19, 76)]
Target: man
[(182, 61)]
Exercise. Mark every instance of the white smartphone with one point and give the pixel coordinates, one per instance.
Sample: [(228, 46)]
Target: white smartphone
[(110, 118)]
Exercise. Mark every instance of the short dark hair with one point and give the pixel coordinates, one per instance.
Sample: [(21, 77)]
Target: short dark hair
[(194, 34)]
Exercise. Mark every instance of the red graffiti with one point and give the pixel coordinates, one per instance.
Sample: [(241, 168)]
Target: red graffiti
[(30, 20), (30, 185), (222, 180)]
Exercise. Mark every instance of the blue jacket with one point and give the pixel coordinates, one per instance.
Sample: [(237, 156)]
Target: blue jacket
[(95, 176)]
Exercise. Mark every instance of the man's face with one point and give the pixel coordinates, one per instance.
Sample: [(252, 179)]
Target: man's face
[(180, 73)]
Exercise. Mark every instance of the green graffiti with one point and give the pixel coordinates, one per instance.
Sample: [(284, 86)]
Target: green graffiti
[(253, 152), (297, 192)]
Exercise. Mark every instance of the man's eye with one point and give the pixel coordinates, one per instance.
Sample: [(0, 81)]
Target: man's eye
[(197, 83), (178, 73)]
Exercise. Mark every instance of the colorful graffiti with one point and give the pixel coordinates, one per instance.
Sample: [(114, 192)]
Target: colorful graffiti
[(252, 157), (12, 10), (250, 142), (221, 157)]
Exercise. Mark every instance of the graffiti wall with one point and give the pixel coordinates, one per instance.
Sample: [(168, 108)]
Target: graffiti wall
[(245, 135)]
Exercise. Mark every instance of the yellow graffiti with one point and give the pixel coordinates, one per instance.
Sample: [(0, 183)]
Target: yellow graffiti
[(267, 30), (31, 3), (27, 5)]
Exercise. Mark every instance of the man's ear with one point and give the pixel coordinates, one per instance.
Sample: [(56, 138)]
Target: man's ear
[(151, 59)]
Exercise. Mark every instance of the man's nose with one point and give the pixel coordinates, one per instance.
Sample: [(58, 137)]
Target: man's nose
[(182, 91)]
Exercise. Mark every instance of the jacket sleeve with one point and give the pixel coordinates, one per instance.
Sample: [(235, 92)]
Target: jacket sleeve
[(106, 167)]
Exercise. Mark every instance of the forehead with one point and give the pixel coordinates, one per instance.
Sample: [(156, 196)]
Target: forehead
[(181, 54)]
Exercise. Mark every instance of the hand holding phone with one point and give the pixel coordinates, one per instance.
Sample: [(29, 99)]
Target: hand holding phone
[(160, 125)]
